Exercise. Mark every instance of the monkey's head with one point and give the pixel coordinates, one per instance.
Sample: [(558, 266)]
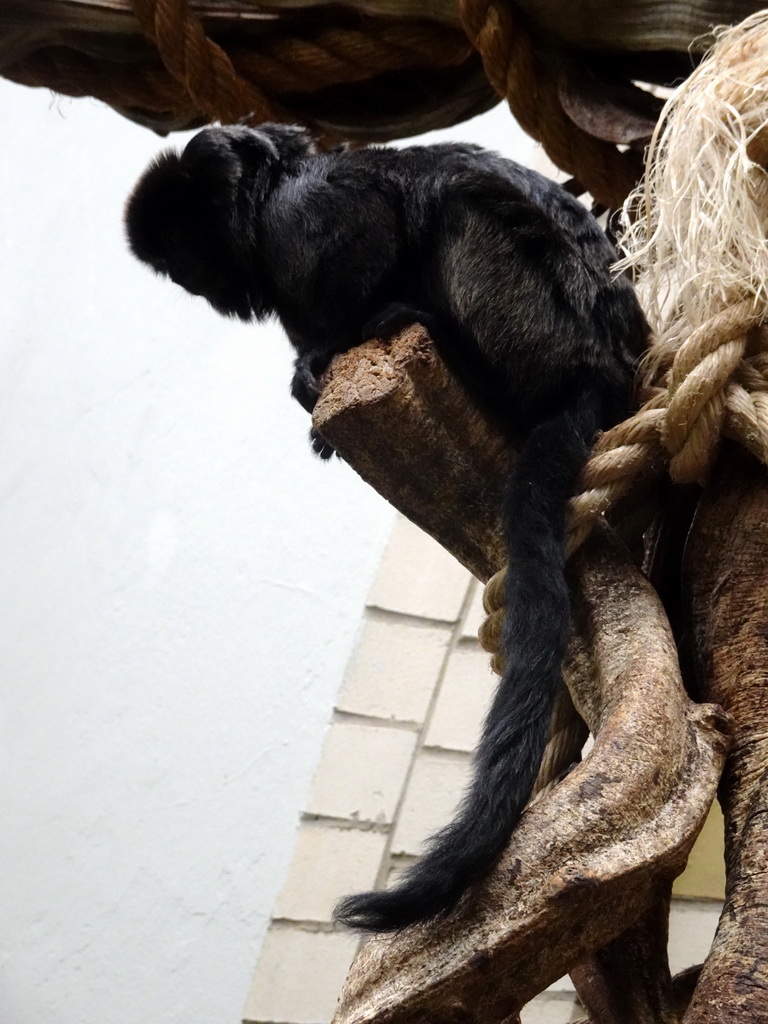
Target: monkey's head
[(191, 215)]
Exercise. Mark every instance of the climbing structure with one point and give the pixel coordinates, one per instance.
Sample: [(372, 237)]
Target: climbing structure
[(669, 532)]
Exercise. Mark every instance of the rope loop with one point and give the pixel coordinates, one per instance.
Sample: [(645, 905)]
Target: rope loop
[(185, 78), (567, 731)]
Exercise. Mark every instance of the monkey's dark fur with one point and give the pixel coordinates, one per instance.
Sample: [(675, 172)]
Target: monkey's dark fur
[(512, 278)]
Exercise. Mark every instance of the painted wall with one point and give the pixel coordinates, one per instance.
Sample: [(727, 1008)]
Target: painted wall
[(181, 584)]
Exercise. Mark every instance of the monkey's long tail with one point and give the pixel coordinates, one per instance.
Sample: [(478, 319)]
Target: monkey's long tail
[(516, 728)]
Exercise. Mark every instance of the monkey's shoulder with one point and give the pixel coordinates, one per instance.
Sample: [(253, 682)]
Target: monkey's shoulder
[(326, 223), (435, 175), (319, 195)]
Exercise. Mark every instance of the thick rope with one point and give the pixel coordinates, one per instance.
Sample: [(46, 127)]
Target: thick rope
[(255, 80), (200, 66), (714, 389), (517, 71), (567, 731), (567, 735)]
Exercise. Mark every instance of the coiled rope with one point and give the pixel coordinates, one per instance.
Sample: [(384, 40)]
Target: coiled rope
[(187, 78)]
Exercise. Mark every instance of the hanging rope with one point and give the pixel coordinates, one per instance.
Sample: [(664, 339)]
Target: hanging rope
[(516, 69), (567, 731), (283, 65)]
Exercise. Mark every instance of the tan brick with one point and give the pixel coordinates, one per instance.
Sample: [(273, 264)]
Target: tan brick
[(394, 669), (475, 614), (299, 976), (328, 863), (361, 772), (434, 790), (704, 875), (418, 577), (692, 925), (465, 694)]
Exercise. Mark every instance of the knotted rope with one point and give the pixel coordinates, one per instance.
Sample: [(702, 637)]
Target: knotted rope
[(700, 254)]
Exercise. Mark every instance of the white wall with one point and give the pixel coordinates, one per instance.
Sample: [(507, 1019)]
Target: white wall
[(180, 585)]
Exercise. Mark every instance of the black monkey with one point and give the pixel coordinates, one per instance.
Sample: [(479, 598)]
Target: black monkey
[(511, 276)]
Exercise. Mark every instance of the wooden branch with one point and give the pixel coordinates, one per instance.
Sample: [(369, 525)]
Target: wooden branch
[(597, 851), (683, 985), (628, 979), (395, 413), (726, 584)]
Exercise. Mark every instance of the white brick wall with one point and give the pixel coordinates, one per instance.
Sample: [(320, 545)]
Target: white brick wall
[(395, 669), (393, 767), (362, 771)]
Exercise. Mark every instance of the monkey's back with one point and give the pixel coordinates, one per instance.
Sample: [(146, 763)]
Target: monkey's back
[(512, 273), (518, 270)]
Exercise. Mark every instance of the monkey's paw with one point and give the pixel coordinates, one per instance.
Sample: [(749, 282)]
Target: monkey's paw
[(392, 320), (320, 446), (304, 386)]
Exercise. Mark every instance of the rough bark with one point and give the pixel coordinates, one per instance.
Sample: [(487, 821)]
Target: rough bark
[(683, 985), (726, 575), (628, 979), (599, 850), (395, 413)]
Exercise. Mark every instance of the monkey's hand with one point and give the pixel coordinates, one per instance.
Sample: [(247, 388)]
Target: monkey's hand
[(306, 390), (321, 447), (393, 319), (304, 386)]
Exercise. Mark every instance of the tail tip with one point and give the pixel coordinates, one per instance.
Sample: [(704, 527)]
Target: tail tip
[(387, 910), (364, 912)]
